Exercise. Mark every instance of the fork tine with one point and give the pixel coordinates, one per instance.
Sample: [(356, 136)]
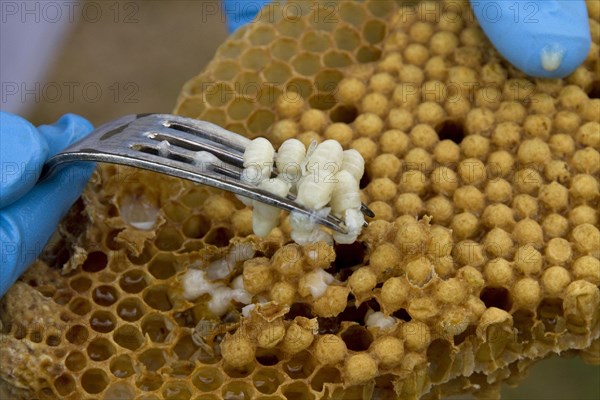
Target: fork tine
[(206, 130), (237, 161), (215, 133), (191, 143), (366, 210), (135, 140), (232, 175)]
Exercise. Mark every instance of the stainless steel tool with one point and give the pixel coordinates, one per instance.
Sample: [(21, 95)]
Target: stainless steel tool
[(169, 144)]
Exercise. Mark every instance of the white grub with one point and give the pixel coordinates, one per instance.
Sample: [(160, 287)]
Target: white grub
[(238, 282), (303, 222), (258, 302), (240, 294), (258, 160), (320, 176), (314, 193), (195, 284), (289, 159), (354, 220), (345, 203), (327, 156), (163, 148), (205, 159), (258, 150), (354, 163), (220, 302), (246, 177), (265, 217), (138, 212), (222, 295), (345, 193), (379, 320), (305, 229), (316, 185), (221, 268), (551, 57), (246, 310), (314, 236), (317, 281)]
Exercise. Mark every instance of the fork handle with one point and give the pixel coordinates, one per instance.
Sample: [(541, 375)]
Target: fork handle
[(73, 152)]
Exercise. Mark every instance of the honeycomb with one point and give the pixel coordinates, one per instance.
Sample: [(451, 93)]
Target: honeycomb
[(482, 258)]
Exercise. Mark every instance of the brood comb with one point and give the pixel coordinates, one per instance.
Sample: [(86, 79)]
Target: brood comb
[(482, 260)]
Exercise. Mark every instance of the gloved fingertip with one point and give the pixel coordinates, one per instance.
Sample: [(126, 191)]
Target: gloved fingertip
[(69, 129), (81, 127), (559, 58), (241, 12), (27, 224), (22, 152), (538, 44)]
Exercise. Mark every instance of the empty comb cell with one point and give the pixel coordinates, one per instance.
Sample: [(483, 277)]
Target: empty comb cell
[(482, 258)]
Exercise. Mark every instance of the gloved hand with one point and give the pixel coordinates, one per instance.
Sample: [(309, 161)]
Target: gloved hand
[(30, 211), (239, 12), (543, 38)]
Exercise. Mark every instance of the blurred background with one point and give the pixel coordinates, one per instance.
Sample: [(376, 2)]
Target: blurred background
[(105, 59)]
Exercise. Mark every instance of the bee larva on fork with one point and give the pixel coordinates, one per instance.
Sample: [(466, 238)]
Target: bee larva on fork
[(323, 178)]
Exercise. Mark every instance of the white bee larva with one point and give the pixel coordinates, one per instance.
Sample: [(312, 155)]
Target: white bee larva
[(258, 160), (307, 237), (203, 159), (316, 186), (316, 282), (265, 217), (354, 220), (305, 229), (222, 267), (327, 156), (379, 320), (289, 159), (317, 235), (345, 193), (246, 310), (222, 296), (163, 148), (354, 163), (246, 178), (302, 222), (314, 192), (195, 284), (322, 175)]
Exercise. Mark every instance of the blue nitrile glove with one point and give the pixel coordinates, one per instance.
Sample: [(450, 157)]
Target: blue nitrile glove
[(30, 211), (240, 12), (543, 38)]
